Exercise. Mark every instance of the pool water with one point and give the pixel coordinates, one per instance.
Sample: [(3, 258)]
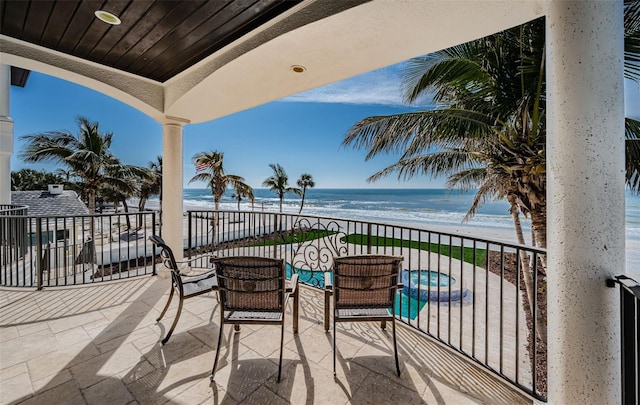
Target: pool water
[(406, 306), (427, 278)]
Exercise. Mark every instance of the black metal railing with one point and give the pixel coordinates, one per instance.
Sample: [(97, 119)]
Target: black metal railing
[(42, 251), (630, 339), (483, 298)]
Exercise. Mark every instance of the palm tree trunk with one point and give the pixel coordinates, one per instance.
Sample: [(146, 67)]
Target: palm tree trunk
[(539, 227), (527, 274), (125, 206), (302, 203)]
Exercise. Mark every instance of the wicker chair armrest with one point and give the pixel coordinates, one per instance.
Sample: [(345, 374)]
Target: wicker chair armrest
[(293, 284), (197, 272), (328, 281), (193, 259)]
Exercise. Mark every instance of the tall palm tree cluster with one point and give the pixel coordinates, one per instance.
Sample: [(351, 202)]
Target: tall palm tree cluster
[(211, 172), (86, 157), (488, 131)]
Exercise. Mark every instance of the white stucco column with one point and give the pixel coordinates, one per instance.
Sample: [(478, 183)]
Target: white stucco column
[(172, 220), (6, 135), (586, 192)]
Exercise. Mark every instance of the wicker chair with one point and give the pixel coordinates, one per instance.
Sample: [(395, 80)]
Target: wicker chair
[(186, 286), (252, 291), (363, 289)]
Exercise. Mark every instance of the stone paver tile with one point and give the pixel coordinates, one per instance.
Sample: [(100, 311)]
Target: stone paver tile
[(140, 370), (12, 371), (120, 327), (207, 334), (179, 347), (126, 309), (69, 322), (19, 350), (28, 329), (105, 365), (311, 344), (202, 306), (67, 394), (200, 393), (173, 379), (72, 336), (53, 363), (8, 333), (15, 388), (108, 391), (244, 373), (52, 381), (266, 342), (486, 387), (135, 335), (263, 396), (380, 390)]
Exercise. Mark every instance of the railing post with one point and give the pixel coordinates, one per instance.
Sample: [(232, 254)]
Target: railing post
[(40, 258), (153, 247), (189, 230), (369, 238)]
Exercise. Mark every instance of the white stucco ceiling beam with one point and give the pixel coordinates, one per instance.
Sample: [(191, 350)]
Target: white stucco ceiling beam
[(363, 38), (140, 93)]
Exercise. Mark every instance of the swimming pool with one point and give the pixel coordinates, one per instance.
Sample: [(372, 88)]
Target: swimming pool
[(427, 285)]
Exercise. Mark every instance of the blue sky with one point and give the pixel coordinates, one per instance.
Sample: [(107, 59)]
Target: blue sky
[(303, 133)]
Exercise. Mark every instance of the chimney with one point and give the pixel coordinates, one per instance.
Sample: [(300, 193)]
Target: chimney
[(55, 188)]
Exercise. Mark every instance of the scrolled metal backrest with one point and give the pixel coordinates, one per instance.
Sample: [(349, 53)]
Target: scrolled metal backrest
[(251, 283), (365, 281)]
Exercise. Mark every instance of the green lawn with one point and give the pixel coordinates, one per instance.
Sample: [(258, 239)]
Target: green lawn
[(455, 252), (445, 250)]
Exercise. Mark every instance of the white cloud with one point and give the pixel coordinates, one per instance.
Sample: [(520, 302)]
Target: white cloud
[(378, 87)]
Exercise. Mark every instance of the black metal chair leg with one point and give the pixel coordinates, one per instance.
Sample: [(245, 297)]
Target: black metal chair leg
[(175, 322), (281, 344), (334, 346), (164, 311), (395, 346), (215, 362)]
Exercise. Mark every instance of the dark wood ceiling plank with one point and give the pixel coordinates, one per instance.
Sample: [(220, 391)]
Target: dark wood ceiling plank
[(173, 40), (145, 23), (37, 18), (78, 25), (157, 38), (239, 23), (62, 12), (206, 31), (13, 18), (98, 29), (129, 17), (171, 20)]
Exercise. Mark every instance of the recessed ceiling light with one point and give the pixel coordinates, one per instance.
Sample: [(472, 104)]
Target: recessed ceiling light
[(107, 17), (298, 68)]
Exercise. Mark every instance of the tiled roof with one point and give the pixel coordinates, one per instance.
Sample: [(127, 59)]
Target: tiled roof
[(45, 203)]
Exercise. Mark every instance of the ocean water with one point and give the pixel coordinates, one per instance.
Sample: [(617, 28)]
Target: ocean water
[(418, 207)]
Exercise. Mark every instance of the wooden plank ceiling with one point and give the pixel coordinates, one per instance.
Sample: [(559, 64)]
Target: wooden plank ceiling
[(157, 39)]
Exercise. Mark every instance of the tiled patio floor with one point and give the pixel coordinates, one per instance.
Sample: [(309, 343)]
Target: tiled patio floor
[(100, 345)]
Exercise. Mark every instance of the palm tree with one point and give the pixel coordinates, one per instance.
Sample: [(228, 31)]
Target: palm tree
[(279, 182), (241, 192), (86, 154), (305, 181), (214, 175), (489, 131), (152, 185)]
